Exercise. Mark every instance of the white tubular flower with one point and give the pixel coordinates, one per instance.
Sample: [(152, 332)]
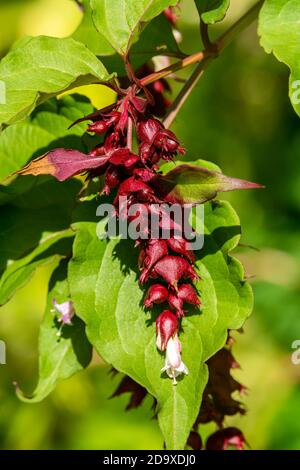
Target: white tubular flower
[(173, 363)]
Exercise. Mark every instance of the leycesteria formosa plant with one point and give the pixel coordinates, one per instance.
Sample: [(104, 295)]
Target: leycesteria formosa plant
[(156, 308)]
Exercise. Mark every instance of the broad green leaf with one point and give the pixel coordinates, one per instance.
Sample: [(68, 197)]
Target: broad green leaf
[(165, 167), (31, 217), (62, 356), (36, 212), (19, 272), (193, 184), (279, 30), (121, 21), (227, 299), (88, 34), (104, 287), (212, 11), (46, 129), (42, 67), (88, 252), (156, 39)]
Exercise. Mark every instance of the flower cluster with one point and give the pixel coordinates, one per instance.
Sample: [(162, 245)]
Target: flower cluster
[(166, 263)]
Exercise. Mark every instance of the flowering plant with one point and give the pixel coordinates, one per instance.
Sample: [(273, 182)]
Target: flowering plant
[(154, 308)]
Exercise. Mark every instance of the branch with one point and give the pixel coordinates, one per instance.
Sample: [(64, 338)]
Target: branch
[(185, 92), (223, 41)]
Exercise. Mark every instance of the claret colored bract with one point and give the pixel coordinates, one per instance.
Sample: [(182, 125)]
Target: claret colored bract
[(134, 178), (166, 328)]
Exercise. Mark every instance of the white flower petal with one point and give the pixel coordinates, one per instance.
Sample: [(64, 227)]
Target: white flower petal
[(174, 366)]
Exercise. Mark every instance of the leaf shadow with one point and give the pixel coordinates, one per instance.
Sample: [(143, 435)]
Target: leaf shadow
[(71, 141), (216, 240), (123, 251), (76, 334)]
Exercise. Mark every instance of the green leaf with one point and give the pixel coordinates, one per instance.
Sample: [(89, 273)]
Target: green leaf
[(212, 11), (19, 272), (88, 34), (31, 217), (156, 39), (227, 299), (193, 184), (165, 167), (42, 67), (88, 252), (104, 287), (121, 21), (46, 129), (279, 29), (61, 356)]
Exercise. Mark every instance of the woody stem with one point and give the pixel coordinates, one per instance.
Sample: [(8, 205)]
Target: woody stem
[(216, 47), (129, 133)]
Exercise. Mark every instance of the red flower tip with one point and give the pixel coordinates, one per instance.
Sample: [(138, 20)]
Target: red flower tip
[(97, 151), (176, 304), (172, 269), (156, 294), (186, 293), (113, 141), (154, 251), (123, 157), (166, 140), (101, 126), (148, 129), (226, 438), (133, 185), (156, 141), (166, 327), (145, 151), (182, 247), (144, 174)]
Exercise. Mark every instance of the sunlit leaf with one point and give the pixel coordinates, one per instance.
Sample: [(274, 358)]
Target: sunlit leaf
[(42, 67), (280, 34), (121, 21)]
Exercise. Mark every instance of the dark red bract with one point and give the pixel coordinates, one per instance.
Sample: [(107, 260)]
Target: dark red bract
[(185, 294), (154, 251), (134, 178), (166, 327), (156, 294), (172, 269)]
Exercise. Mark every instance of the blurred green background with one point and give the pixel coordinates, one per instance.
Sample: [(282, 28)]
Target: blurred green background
[(240, 118)]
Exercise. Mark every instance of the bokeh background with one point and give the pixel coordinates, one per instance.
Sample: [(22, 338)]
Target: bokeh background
[(240, 118)]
